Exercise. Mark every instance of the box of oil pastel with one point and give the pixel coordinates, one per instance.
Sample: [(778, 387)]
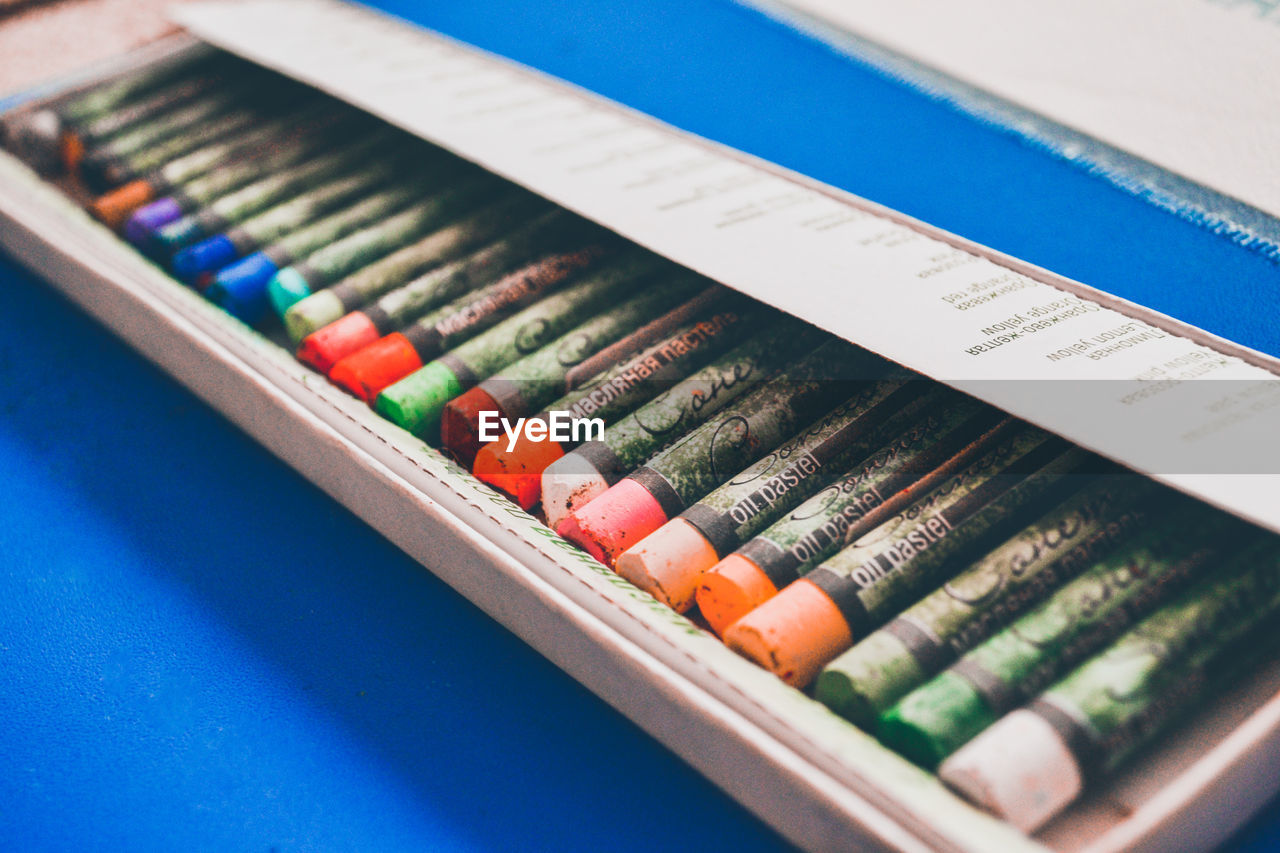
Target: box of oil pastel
[(633, 393)]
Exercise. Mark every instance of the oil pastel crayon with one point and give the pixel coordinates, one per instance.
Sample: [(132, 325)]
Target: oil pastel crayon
[(241, 287), (476, 223), (527, 384), (330, 263), (1034, 762), (124, 169), (112, 93), (669, 562), (124, 93), (608, 358), (417, 401), (116, 206), (805, 626), (676, 477), (387, 295), (95, 167), (175, 199), (942, 715), (940, 443), (590, 469), (93, 132), (265, 192), (920, 642), (288, 217), (44, 138), (698, 331), (366, 372)]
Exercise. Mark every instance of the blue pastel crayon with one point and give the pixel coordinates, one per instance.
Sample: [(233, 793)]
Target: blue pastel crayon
[(241, 287)]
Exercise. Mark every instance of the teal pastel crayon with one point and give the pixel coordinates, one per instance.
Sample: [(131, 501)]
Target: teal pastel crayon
[(327, 265), (241, 287), (367, 371), (524, 386), (677, 477), (1080, 618), (272, 161), (417, 401), (327, 325), (277, 222), (266, 190)]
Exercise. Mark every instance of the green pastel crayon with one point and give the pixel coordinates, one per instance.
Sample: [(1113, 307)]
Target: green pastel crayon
[(262, 136), (196, 151), (920, 642), (183, 123), (325, 266), (805, 626), (46, 137), (525, 385), (640, 366), (114, 93), (281, 144), (116, 171), (590, 469), (133, 204), (417, 401), (290, 216), (241, 287), (1034, 762), (670, 562), (937, 718), (710, 455), (366, 372), (940, 442), (388, 299), (395, 290), (260, 188), (96, 131)]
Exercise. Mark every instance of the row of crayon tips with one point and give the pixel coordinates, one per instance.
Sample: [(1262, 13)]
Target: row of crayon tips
[(990, 601)]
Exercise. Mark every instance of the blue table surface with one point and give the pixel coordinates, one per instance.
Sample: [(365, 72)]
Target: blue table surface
[(200, 649)]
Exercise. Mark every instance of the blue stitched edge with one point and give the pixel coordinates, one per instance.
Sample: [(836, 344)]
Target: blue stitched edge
[(1220, 214)]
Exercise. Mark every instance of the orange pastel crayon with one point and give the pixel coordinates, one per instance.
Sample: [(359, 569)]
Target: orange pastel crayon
[(809, 623), (669, 562), (113, 208), (940, 443)]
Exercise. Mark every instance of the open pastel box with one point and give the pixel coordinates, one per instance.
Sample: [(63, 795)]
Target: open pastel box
[(822, 782)]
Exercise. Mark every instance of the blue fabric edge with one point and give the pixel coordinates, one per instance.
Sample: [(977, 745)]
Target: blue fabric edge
[(1220, 214)]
